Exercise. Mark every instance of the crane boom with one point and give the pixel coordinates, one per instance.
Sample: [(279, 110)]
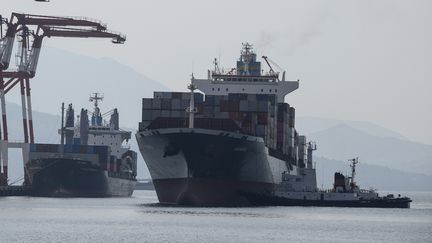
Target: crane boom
[(49, 31), (23, 20), (268, 63), (32, 19)]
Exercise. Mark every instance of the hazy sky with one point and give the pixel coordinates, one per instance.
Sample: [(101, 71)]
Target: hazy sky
[(356, 60)]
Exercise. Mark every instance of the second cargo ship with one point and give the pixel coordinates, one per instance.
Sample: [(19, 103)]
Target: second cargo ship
[(92, 162)]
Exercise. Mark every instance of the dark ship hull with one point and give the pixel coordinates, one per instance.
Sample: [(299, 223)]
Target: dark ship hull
[(204, 167), (265, 200), (60, 177)]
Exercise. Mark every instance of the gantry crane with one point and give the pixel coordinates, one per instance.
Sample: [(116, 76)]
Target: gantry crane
[(28, 57)]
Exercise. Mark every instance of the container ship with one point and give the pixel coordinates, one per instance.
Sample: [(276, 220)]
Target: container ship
[(237, 145), (91, 161)]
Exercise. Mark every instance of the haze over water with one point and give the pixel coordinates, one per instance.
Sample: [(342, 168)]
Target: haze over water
[(141, 219)]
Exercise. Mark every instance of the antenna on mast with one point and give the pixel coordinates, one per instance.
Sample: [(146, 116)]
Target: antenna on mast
[(95, 97), (96, 119)]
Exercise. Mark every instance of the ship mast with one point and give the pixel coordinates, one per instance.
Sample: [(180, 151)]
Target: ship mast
[(95, 97), (191, 109), (353, 164), (96, 117)]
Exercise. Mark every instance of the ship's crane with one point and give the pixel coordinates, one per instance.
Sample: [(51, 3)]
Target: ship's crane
[(27, 60), (272, 72)]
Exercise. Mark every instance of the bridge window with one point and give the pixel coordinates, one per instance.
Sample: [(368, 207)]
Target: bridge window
[(226, 89)]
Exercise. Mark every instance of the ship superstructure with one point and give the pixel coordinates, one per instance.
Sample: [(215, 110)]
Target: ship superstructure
[(246, 78), (93, 159), (235, 145)]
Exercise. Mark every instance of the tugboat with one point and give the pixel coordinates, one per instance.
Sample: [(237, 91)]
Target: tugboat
[(92, 162), (301, 190), (234, 145)]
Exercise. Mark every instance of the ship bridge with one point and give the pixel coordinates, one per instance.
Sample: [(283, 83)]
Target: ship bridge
[(246, 78)]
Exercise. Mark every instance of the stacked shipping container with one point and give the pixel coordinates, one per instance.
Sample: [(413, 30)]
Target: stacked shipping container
[(253, 114), (169, 105)]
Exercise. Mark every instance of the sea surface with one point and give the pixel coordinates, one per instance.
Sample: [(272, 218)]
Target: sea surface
[(141, 219)]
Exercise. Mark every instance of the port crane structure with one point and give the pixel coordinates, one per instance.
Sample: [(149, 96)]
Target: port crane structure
[(31, 30)]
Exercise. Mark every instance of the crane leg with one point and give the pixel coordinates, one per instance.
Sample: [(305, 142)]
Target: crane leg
[(24, 111), (29, 110), (4, 140)]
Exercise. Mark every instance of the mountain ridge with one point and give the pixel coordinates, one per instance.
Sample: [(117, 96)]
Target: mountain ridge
[(341, 142)]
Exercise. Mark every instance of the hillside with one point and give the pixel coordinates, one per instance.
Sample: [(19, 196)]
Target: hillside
[(342, 142), (372, 176), (63, 76)]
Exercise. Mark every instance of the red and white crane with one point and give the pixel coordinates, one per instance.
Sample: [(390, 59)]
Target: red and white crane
[(35, 27)]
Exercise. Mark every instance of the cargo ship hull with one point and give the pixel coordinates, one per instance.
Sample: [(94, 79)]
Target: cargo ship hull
[(60, 177), (205, 167)]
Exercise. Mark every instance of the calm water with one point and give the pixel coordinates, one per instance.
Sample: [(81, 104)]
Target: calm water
[(138, 219)]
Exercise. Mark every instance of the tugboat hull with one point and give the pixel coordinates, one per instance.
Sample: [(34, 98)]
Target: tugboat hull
[(261, 200)]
